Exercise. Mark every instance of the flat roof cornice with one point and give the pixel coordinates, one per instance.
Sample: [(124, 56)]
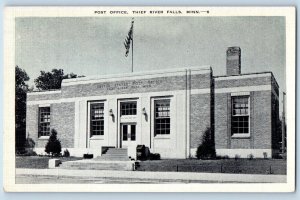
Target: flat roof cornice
[(248, 75), (135, 75), (44, 92)]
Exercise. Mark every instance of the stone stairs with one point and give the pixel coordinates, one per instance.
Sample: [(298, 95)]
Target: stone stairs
[(94, 164), (112, 159), (114, 154)]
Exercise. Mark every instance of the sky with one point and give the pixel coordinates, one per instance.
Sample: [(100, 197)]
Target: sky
[(94, 45)]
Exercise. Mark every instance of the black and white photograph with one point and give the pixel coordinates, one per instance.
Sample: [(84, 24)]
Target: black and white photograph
[(150, 99)]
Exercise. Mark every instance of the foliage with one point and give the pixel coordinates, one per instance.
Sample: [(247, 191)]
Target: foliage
[(28, 152), (53, 145), (207, 147), (154, 156), (237, 156), (222, 157), (29, 143), (250, 156), (52, 80), (66, 153), (20, 106), (88, 156)]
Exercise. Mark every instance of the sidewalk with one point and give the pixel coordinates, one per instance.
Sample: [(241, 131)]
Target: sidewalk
[(159, 176)]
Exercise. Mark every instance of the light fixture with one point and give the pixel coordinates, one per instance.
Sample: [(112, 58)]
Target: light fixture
[(111, 112), (144, 111)]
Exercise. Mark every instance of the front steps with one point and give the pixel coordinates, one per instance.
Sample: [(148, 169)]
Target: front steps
[(114, 154), (112, 159), (94, 164)]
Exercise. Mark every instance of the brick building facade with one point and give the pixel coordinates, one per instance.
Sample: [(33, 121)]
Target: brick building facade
[(168, 111)]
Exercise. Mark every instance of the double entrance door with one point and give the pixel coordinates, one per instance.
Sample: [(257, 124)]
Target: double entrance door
[(128, 134)]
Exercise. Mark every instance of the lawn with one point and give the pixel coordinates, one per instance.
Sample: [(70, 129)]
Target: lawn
[(38, 162), (241, 166)]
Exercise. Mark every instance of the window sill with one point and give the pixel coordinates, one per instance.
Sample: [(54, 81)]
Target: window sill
[(44, 137), (162, 137), (243, 136), (97, 137)]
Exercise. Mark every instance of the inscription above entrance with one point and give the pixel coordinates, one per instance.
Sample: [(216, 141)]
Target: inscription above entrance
[(123, 85)]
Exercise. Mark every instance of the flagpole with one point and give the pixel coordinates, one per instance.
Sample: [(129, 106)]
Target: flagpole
[(132, 52)]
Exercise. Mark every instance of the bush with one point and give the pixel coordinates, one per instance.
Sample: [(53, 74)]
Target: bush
[(154, 156), (222, 157), (250, 156), (207, 148), (237, 156), (28, 150), (29, 143), (88, 156), (53, 146), (66, 153)]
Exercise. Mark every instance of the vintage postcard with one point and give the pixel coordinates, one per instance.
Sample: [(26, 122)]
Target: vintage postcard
[(149, 99)]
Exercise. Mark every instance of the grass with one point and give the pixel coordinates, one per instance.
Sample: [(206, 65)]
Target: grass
[(242, 166), (38, 162)]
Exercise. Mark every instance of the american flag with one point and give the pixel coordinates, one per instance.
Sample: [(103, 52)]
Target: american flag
[(128, 39)]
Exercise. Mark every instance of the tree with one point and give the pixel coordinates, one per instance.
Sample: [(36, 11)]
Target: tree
[(53, 145), (52, 80), (207, 148), (21, 89)]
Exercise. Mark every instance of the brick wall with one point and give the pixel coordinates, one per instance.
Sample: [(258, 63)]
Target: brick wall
[(200, 81), (261, 118), (242, 82), (260, 122), (125, 87), (32, 122), (221, 121), (62, 119), (42, 96), (200, 117)]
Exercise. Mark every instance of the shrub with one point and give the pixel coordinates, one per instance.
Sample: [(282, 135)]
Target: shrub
[(88, 156), (53, 146), (250, 156), (222, 157), (29, 143), (66, 153), (154, 156), (28, 150), (207, 148), (237, 156)]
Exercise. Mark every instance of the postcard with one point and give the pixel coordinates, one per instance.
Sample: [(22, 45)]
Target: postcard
[(149, 99)]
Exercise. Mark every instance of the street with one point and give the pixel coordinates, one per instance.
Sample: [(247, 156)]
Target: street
[(42, 179)]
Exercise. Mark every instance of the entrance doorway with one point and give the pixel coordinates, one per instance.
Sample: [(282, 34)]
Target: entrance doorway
[(128, 135)]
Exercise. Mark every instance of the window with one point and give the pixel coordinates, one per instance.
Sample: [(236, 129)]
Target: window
[(240, 115), (128, 131), (132, 135), (125, 132), (97, 119), (162, 116), (128, 108), (44, 121)]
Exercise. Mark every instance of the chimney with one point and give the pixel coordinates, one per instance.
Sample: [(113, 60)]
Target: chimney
[(233, 61)]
